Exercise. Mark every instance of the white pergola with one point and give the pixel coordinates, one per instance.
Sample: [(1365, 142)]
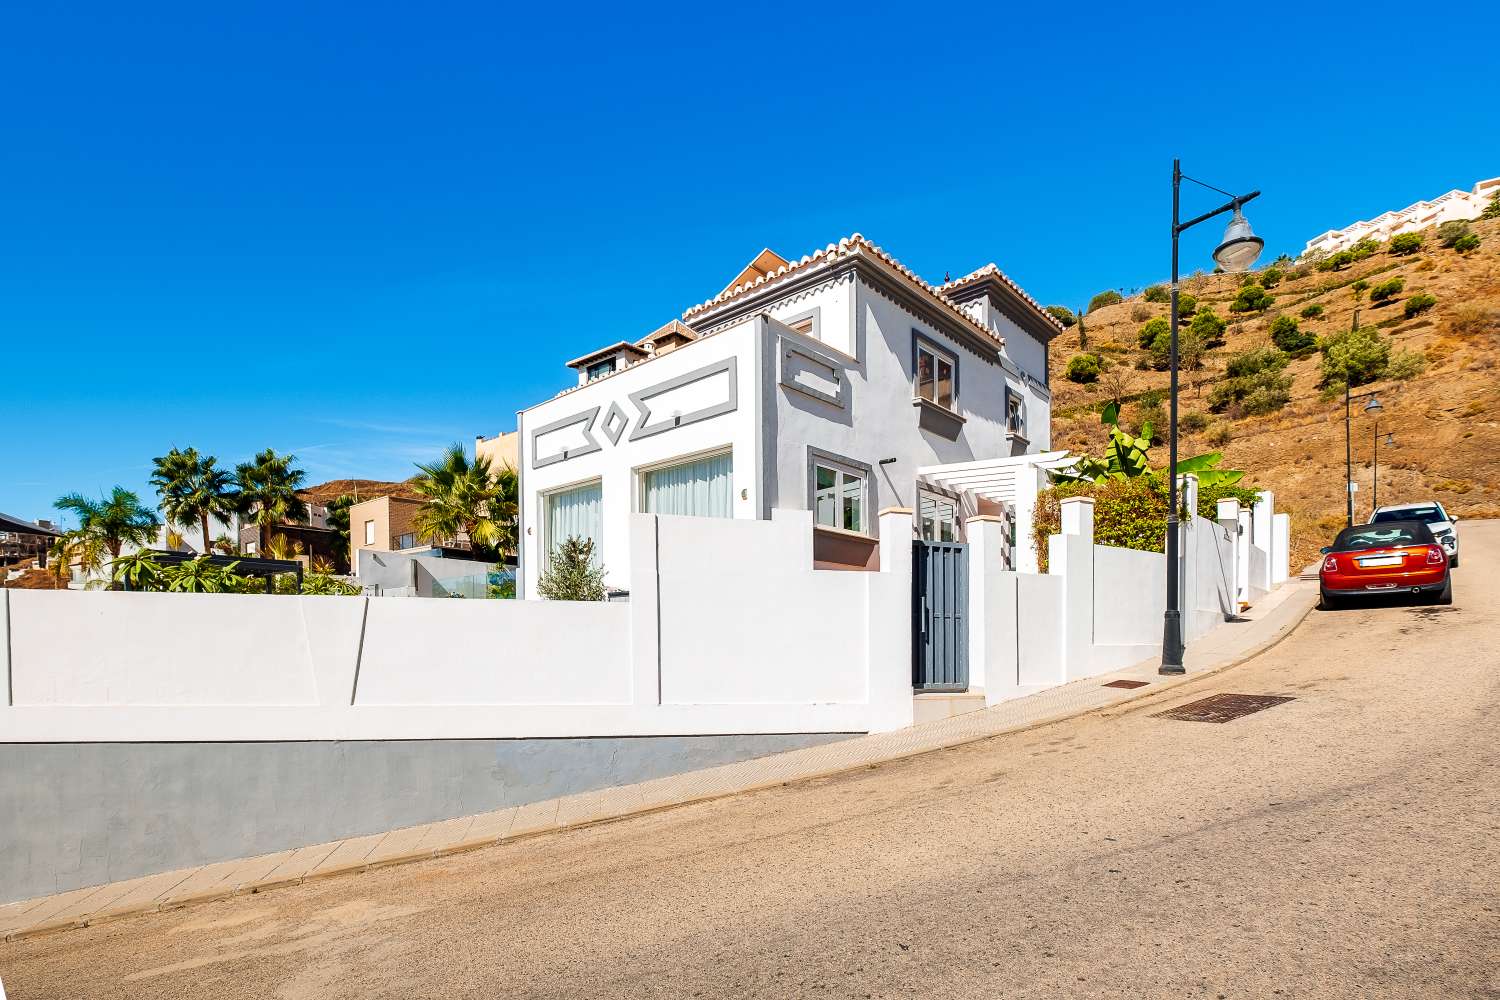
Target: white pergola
[(1012, 481)]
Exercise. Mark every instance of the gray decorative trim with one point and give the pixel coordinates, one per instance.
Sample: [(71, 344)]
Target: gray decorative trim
[(938, 419), (788, 349), (587, 419), (617, 416), (814, 456), (644, 427)]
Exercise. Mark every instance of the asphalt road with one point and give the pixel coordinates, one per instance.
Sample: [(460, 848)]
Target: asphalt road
[(1338, 845)]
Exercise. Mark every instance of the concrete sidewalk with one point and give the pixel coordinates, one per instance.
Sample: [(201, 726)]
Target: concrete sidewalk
[(1261, 627)]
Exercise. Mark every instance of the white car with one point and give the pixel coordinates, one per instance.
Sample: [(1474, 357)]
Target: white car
[(1438, 521)]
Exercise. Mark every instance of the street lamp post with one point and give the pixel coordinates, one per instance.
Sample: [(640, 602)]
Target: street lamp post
[(1239, 250)]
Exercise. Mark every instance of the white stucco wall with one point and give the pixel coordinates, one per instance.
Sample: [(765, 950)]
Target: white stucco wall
[(797, 651), (617, 463)]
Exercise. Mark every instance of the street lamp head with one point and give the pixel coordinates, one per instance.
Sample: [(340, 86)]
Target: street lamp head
[(1390, 440), (1373, 406), (1241, 247)]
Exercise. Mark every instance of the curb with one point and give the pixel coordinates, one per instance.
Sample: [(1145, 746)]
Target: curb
[(255, 888)]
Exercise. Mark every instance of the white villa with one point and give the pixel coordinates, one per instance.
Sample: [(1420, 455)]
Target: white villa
[(840, 383), (1455, 205)]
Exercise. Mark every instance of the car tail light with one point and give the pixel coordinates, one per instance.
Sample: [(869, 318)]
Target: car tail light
[(1434, 555), (1330, 565)]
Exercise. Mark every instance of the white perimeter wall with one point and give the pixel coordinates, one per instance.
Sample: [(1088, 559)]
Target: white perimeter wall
[(688, 654)]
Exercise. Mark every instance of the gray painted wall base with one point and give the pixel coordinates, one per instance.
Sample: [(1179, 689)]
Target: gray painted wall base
[(82, 814)]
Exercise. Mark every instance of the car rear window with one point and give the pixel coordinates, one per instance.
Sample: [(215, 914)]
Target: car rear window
[(1427, 515), (1381, 536)]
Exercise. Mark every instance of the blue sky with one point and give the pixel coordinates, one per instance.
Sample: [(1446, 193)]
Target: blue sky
[(357, 232)]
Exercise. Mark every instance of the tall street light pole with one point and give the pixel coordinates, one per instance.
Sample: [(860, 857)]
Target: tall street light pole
[(1238, 251), (1373, 408)]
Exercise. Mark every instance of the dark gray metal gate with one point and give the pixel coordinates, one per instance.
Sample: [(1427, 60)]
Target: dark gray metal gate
[(940, 624)]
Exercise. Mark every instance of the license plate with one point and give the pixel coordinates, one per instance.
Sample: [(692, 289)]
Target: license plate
[(1373, 561)]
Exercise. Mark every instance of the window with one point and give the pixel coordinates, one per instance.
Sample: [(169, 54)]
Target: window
[(838, 497), (937, 518), (600, 368), (406, 541), (936, 375), (574, 513), (702, 487), (1015, 413), (805, 326), (369, 532)]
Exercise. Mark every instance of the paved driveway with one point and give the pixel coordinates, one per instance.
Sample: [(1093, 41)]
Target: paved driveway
[(1342, 844)]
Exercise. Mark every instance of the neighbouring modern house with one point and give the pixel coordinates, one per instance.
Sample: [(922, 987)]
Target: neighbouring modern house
[(502, 450), (1455, 205), (840, 383), (24, 542)]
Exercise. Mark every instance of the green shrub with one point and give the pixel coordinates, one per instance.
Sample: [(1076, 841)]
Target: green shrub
[(1063, 315), (572, 574), (1452, 231), (1492, 210), (1189, 349), (1387, 290), (1406, 364), (1337, 261), (1312, 312), (1354, 357), (1467, 243), (1271, 277), (1406, 244), (1157, 293), (1208, 327), (1186, 304), (1084, 368), (1261, 390), (1255, 361), (1151, 330), (1251, 298), (1291, 338), (1192, 423), (1417, 304), (1153, 416), (1364, 248), (1218, 436), (1109, 298), (1358, 288), (1128, 513)]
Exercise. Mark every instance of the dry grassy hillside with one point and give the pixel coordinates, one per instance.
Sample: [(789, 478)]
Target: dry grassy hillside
[(1446, 420)]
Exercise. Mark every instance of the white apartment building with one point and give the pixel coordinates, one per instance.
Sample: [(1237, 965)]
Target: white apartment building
[(1455, 205), (821, 384)]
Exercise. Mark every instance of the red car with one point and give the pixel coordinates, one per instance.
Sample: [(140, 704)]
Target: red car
[(1392, 557)]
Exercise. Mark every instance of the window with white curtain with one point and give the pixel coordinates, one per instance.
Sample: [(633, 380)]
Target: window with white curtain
[(575, 513), (703, 487)]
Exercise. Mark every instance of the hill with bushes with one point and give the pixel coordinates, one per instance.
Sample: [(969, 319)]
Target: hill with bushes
[(1265, 357)]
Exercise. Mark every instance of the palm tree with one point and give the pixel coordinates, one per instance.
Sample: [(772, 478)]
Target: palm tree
[(193, 489), (460, 496), (268, 488), (108, 524)]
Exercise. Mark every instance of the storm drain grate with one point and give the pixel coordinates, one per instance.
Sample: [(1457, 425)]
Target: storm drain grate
[(1127, 685), (1222, 707)]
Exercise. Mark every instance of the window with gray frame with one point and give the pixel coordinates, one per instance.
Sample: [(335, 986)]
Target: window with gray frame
[(935, 373), (839, 496), (599, 368), (937, 518), (1015, 412)]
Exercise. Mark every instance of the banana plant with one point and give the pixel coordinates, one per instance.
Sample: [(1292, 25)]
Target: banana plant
[(138, 571), (1127, 456), (199, 576)]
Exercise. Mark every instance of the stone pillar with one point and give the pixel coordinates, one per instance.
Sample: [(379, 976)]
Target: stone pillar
[(888, 640), (985, 534), (1071, 555)]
